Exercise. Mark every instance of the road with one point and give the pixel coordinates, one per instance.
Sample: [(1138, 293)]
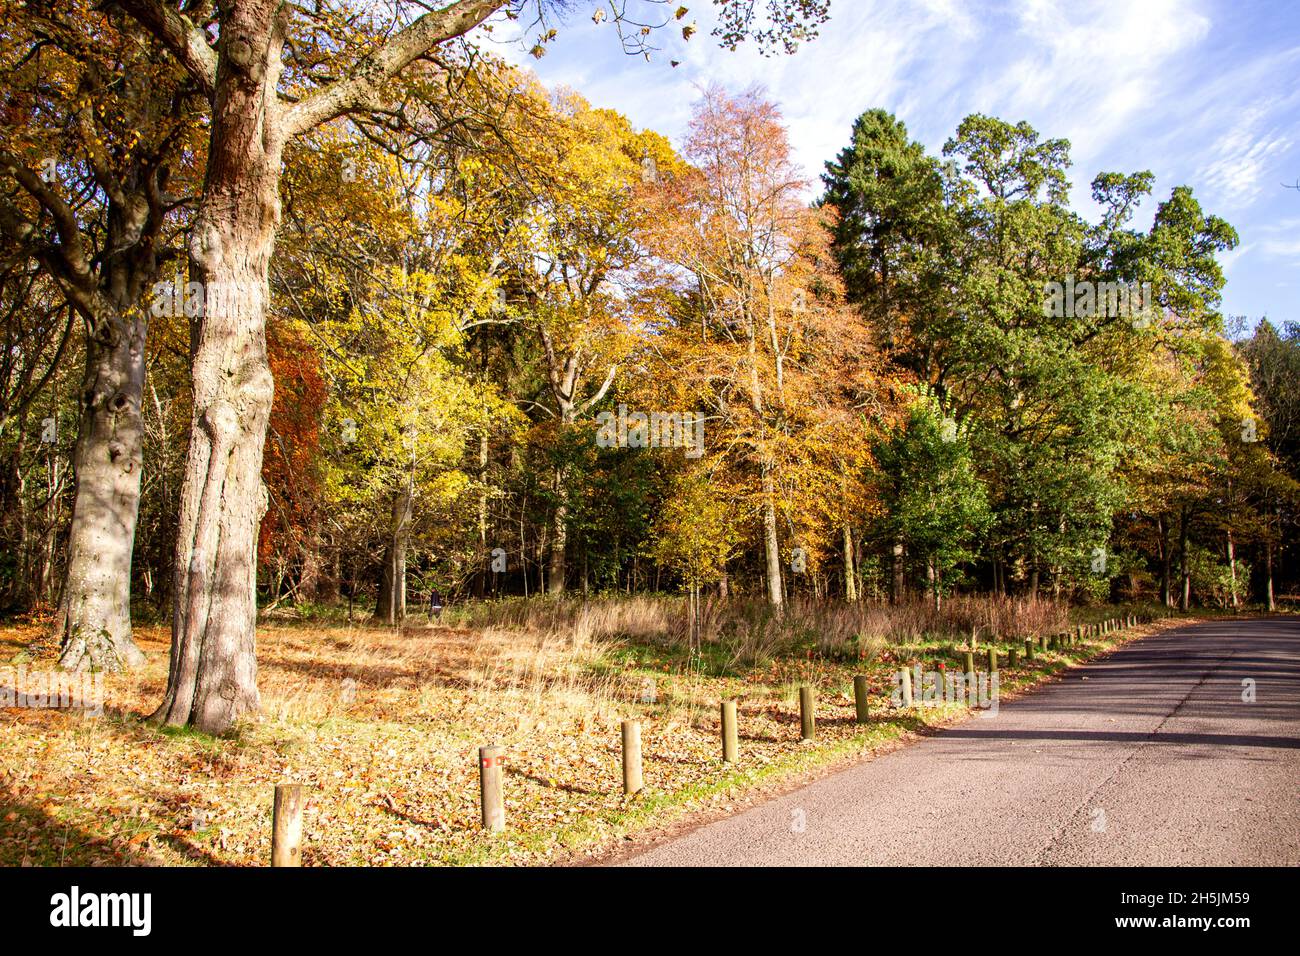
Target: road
[(1148, 757)]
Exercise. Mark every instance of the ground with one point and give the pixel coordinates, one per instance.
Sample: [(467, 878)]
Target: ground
[(382, 727)]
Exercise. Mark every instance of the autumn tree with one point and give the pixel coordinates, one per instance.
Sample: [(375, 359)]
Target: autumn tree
[(760, 338), (96, 126)]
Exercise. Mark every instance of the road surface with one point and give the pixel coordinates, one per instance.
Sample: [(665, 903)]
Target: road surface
[(1149, 757)]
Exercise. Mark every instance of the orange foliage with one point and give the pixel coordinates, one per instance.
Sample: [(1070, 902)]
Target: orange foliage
[(289, 464)]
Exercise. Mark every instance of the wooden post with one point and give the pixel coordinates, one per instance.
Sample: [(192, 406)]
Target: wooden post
[(490, 760), (860, 697), (1029, 649), (286, 826), (807, 721), (993, 660), (631, 756), (1013, 658), (730, 744), (907, 688), (968, 662), (1042, 641)]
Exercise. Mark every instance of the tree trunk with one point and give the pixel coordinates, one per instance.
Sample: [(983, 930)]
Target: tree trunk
[(212, 680), (897, 596), (775, 591), (1166, 561), (309, 575), (1186, 602), (1232, 571), (390, 607), (1268, 570), (559, 535), (94, 618), (850, 574)]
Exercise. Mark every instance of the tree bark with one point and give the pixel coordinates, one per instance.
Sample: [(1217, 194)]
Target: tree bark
[(896, 597), (391, 604), (94, 618), (556, 572), (1268, 569), (1232, 571), (1166, 560), (775, 591), (1186, 602), (212, 680), (850, 574)]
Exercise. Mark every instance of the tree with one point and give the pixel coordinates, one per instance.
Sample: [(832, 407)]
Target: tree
[(576, 272), (256, 110), (90, 80), (935, 504)]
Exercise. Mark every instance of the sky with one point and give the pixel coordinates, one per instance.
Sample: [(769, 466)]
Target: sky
[(1204, 93)]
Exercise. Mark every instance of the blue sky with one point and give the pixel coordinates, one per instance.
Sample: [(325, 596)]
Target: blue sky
[(1202, 92)]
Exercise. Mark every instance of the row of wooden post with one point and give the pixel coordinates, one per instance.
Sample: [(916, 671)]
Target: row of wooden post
[(286, 827)]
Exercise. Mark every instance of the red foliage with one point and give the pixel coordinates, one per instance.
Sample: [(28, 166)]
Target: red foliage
[(291, 458)]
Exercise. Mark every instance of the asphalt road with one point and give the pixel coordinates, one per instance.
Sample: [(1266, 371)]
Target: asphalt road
[(1149, 757)]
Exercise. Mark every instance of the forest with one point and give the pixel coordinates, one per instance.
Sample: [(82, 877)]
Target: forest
[(348, 319)]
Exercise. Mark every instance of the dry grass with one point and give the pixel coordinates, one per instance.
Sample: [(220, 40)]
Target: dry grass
[(382, 727)]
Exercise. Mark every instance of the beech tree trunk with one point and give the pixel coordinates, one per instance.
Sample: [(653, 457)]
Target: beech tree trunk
[(896, 595), (850, 574), (94, 617), (213, 676), (1232, 571), (391, 605), (1186, 601), (555, 574), (775, 591), (1268, 569), (1166, 592)]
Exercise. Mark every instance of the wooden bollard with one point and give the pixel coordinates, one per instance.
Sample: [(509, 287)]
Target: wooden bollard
[(907, 688), (490, 761), (631, 756), (993, 660), (1078, 633), (968, 662), (807, 720), (1013, 658), (860, 697), (1042, 642), (730, 743), (1029, 650), (286, 826)]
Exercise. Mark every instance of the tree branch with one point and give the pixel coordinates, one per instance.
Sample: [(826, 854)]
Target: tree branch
[(187, 42), (357, 90)]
